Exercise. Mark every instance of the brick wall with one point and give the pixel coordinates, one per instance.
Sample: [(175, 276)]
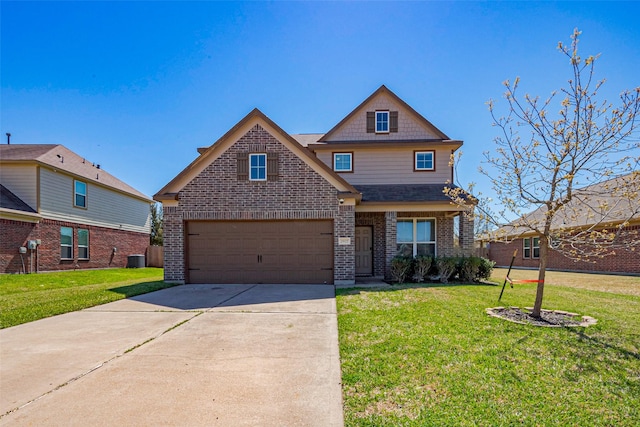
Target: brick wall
[(298, 193), (624, 261), (47, 257)]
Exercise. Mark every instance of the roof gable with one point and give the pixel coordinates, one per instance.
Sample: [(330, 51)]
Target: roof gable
[(413, 125), (255, 117)]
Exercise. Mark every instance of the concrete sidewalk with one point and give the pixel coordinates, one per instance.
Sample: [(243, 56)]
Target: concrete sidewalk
[(228, 355)]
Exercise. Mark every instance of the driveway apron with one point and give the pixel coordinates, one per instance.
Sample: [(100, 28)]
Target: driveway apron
[(227, 355)]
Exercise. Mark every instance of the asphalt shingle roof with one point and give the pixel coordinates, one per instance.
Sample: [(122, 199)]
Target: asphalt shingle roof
[(403, 193)]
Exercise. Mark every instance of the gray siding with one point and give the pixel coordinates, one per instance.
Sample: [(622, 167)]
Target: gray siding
[(21, 180), (105, 207)]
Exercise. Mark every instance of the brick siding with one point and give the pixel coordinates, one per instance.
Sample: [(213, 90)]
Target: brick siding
[(298, 193), (47, 257), (625, 260)]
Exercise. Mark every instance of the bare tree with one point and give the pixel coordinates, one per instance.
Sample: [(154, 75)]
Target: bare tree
[(577, 164)]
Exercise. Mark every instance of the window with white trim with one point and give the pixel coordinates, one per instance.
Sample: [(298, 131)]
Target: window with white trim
[(382, 121), (416, 236), (66, 243), (258, 167), (343, 162), (531, 247), (79, 194), (83, 244), (424, 161)]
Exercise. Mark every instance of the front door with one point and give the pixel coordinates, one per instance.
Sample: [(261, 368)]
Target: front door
[(364, 254)]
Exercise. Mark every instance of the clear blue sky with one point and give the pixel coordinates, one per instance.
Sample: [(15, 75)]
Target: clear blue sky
[(138, 86)]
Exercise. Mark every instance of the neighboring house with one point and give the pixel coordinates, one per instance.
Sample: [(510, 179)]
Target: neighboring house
[(600, 206), (263, 206), (67, 212)]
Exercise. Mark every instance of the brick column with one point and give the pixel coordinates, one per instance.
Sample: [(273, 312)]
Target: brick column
[(391, 227), (173, 245), (344, 269), (466, 233)]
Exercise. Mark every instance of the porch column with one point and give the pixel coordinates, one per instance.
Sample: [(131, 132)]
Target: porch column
[(466, 233), (391, 227)]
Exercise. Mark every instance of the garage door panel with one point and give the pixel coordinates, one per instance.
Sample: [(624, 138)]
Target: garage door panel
[(260, 251)]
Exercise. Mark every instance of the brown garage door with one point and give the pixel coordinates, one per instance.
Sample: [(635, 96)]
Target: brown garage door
[(260, 251)]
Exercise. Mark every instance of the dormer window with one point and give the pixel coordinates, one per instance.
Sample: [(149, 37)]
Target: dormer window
[(382, 122)]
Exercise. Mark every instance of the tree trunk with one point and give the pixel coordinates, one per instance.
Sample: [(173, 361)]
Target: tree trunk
[(544, 254)]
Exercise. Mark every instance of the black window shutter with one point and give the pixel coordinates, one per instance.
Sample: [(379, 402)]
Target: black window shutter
[(393, 121), (243, 166), (272, 166), (371, 121)]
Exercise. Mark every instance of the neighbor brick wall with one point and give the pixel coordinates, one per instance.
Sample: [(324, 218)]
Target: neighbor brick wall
[(14, 234), (298, 193), (624, 261), (47, 258)]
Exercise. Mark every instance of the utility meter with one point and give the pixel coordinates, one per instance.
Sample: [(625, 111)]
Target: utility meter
[(22, 250), (32, 244)]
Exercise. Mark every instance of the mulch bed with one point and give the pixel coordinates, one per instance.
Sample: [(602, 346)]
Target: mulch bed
[(549, 318)]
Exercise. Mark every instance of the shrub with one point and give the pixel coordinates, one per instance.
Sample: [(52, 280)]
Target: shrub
[(468, 268), (485, 269), (446, 268), (422, 265), (400, 268)]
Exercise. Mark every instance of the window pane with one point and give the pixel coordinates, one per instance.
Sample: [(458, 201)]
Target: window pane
[(65, 252), (66, 235), (405, 231), (81, 188), (83, 253), (428, 249), (404, 249), (536, 252), (425, 231), (258, 167), (382, 121), (342, 162), (80, 201), (83, 237), (424, 160)]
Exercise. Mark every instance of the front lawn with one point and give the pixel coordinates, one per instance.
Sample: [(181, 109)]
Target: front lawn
[(28, 297), (430, 356)]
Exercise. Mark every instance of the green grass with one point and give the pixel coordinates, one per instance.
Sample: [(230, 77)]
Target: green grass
[(430, 356), (25, 298)]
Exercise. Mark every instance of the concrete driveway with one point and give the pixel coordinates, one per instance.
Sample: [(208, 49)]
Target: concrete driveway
[(227, 355)]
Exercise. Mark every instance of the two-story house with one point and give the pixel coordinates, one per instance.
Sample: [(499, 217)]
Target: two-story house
[(60, 211), (263, 206)]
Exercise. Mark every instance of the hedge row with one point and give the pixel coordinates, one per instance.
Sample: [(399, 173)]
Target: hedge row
[(443, 269)]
